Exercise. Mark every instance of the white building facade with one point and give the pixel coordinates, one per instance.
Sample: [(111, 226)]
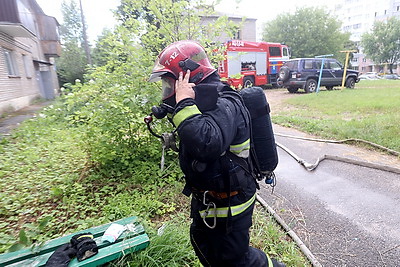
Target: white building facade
[(358, 17), (29, 42)]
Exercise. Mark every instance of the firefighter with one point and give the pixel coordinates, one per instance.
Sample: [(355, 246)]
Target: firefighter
[(214, 135)]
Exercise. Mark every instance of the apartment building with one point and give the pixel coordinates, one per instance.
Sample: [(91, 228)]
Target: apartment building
[(246, 31), (358, 17), (29, 42)]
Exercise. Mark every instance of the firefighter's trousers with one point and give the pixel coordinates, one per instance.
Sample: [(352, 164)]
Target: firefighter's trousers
[(227, 244)]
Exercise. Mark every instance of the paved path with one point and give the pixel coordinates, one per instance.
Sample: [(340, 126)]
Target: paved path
[(13, 120), (347, 215)]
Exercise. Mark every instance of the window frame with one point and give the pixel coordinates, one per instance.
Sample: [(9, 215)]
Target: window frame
[(308, 64), (28, 70), (275, 51), (11, 62), (335, 62)]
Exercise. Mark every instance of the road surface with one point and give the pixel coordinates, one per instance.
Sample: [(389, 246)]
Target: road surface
[(346, 214)]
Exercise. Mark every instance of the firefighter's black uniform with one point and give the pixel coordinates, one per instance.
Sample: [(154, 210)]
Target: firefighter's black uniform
[(214, 134)]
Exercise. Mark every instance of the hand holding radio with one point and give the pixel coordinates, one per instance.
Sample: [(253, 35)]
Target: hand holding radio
[(183, 88)]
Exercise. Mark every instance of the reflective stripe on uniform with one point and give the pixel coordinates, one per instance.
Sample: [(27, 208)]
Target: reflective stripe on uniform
[(223, 211), (242, 150), (270, 264), (185, 113)]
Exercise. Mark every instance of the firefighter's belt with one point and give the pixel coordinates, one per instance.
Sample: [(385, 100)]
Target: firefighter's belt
[(222, 195), (224, 211)]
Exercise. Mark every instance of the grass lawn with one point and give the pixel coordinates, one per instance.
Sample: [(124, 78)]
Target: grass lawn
[(370, 112), (48, 190)]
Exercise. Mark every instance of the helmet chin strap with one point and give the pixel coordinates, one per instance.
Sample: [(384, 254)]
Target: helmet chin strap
[(196, 78)]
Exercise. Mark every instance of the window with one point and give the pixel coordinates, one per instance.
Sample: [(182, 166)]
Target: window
[(204, 30), (292, 65), (237, 35), (308, 64), (248, 66), (274, 51), (335, 65), (285, 52), (10, 62), (318, 64), (27, 65)]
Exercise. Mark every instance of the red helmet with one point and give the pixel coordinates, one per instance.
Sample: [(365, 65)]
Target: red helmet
[(180, 57)]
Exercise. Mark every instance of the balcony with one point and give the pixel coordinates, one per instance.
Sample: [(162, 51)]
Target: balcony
[(26, 19), (49, 37), (16, 19), (51, 48), (15, 30)]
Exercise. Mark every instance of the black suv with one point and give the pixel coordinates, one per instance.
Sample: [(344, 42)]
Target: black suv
[(304, 73)]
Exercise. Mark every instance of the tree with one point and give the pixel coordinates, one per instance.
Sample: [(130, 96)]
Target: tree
[(72, 63), (103, 48), (71, 66), (71, 29), (84, 35), (113, 104), (158, 23), (308, 32), (382, 45)]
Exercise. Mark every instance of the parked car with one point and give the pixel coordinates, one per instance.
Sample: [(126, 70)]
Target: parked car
[(391, 77), (369, 76), (304, 73)]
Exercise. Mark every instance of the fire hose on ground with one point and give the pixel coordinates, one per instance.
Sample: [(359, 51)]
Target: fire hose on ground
[(290, 232), (311, 167)]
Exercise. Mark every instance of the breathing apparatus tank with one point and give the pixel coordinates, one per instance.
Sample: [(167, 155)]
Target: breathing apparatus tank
[(261, 127)]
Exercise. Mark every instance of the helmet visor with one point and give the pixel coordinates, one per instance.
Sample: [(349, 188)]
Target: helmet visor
[(156, 76), (157, 71), (168, 87)]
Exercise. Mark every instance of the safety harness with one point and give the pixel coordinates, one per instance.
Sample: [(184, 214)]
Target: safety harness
[(237, 155), (224, 211)]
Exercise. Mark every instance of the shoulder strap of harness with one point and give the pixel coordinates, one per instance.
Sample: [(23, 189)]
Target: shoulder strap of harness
[(252, 162)]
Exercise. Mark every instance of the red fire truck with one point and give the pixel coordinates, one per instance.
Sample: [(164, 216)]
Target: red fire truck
[(252, 63)]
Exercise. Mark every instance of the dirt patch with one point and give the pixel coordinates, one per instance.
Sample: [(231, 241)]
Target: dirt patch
[(276, 99)]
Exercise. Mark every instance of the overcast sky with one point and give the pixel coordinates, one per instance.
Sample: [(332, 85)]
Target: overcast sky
[(266, 10), (98, 12)]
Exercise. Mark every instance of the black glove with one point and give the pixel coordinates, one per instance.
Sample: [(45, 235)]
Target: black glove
[(61, 256), (85, 246)]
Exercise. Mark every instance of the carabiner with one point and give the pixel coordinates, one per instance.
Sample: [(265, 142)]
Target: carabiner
[(210, 204)]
